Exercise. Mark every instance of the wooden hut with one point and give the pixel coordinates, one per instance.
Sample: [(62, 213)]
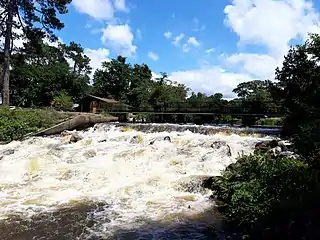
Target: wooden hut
[(94, 104)]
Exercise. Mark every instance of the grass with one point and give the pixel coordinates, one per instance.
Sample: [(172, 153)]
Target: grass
[(16, 123), (269, 121)]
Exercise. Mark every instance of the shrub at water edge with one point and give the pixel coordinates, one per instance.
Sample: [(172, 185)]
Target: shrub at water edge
[(16, 123), (63, 102), (267, 197)]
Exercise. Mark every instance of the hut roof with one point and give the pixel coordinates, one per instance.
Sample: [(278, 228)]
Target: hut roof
[(106, 100)]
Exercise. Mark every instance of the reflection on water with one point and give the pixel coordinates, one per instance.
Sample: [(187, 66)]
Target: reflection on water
[(78, 222), (114, 184)]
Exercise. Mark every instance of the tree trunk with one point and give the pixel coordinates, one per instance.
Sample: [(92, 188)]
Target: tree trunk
[(7, 53)]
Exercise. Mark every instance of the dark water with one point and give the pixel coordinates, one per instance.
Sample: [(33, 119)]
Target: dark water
[(76, 222)]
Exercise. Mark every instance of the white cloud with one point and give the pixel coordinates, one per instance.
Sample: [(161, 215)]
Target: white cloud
[(258, 65), (98, 9), (197, 26), (153, 56), (272, 23), (155, 76), (168, 35), (193, 41), (185, 48), (210, 50), (53, 44), (120, 38), (177, 39), (97, 56), (210, 80), (269, 23), (121, 5)]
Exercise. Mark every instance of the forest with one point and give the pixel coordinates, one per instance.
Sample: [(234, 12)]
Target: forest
[(43, 73), (46, 74)]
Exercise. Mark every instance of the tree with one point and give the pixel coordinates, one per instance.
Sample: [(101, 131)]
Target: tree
[(38, 75), (299, 88), (80, 69), (81, 62), (140, 86), (299, 83), (27, 15), (113, 79), (256, 97)]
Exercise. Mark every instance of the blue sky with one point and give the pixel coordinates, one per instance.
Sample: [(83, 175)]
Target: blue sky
[(209, 45)]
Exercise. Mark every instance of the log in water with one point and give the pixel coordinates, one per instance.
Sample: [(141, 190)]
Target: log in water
[(113, 184)]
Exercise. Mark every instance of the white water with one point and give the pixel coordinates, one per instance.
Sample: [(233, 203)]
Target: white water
[(136, 180)]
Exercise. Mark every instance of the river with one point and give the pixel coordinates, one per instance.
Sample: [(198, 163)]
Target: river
[(107, 186)]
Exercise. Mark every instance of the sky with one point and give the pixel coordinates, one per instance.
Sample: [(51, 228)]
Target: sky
[(209, 45)]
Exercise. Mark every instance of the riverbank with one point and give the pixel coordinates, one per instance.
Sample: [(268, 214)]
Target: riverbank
[(16, 123)]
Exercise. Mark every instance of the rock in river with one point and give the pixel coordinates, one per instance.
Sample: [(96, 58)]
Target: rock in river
[(166, 138), (71, 137)]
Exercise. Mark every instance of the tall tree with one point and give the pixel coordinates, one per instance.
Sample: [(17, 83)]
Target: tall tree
[(80, 62), (28, 16), (38, 75), (140, 86), (256, 95), (299, 88), (80, 69), (113, 79)]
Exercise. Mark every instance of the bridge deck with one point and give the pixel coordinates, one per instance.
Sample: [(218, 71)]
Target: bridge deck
[(199, 113)]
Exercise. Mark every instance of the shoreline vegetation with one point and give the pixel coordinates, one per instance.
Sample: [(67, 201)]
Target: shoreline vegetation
[(268, 196), (17, 123)]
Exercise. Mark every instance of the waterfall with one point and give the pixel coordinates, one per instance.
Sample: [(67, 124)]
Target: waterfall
[(114, 184)]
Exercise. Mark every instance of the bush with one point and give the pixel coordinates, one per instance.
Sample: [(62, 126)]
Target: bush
[(307, 141), (270, 121), (63, 102), (266, 197), (16, 123)]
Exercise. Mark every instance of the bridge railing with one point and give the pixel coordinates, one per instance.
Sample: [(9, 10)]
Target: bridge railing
[(185, 107)]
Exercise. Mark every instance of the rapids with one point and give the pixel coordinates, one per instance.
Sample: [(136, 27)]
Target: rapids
[(108, 187)]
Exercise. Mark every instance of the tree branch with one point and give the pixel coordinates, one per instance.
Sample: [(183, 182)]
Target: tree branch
[(2, 20), (39, 11), (17, 11), (4, 11)]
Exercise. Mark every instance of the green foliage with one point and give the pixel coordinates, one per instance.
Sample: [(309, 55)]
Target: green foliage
[(63, 102), (266, 196), (28, 16), (270, 121), (134, 86), (298, 88), (306, 140), (16, 123), (256, 96), (38, 75), (112, 81)]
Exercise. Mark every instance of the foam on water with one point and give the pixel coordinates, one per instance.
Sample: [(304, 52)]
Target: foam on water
[(135, 180)]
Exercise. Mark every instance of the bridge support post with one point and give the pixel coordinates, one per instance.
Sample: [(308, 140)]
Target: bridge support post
[(123, 117)]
